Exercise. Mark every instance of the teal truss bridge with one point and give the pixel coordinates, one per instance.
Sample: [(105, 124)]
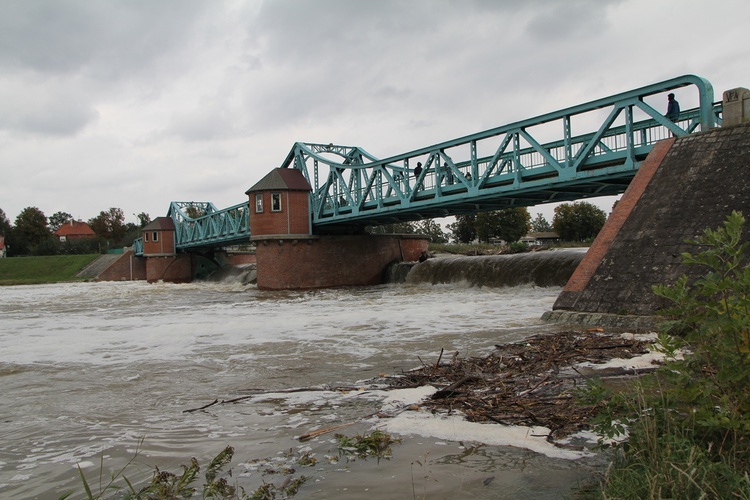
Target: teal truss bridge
[(593, 149)]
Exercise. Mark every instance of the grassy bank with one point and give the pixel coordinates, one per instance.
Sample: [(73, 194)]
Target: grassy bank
[(48, 269)]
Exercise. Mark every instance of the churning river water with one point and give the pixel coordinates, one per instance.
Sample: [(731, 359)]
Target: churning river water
[(90, 370)]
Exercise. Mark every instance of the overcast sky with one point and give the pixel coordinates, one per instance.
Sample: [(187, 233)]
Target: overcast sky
[(134, 104)]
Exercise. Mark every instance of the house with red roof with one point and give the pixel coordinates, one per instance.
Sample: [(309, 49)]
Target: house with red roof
[(74, 229)]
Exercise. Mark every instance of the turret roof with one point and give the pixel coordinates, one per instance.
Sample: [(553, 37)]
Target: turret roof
[(285, 179)]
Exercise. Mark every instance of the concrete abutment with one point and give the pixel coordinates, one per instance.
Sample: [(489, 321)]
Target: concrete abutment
[(686, 185)]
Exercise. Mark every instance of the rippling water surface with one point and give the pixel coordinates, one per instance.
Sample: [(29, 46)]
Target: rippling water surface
[(90, 369)]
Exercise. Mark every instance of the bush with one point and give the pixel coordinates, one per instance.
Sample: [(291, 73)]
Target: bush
[(688, 425)]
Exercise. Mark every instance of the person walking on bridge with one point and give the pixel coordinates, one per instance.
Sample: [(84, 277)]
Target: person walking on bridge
[(673, 108)]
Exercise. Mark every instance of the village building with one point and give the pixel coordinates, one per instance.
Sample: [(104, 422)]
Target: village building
[(541, 238), (73, 230)]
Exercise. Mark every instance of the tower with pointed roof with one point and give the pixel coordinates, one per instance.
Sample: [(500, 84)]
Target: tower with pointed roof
[(280, 205)]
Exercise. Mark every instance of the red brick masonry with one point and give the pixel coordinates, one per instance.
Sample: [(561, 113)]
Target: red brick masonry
[(127, 267), (586, 269), (328, 261)]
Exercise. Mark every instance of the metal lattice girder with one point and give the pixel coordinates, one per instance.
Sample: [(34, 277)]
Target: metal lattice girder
[(524, 163), (201, 224)]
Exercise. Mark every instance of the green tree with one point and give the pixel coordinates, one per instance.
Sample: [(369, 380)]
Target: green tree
[(509, 224), (432, 229), (578, 221), (143, 219), (4, 224), (30, 229), (109, 225), (464, 229), (57, 220), (194, 212), (540, 225)]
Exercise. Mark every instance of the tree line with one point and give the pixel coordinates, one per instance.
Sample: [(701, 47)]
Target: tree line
[(573, 222), (32, 232)]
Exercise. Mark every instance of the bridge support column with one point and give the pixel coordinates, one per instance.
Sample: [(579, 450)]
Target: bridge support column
[(304, 262), (172, 269)]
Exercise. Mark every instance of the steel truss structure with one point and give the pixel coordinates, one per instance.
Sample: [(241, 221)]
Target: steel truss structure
[(526, 163), (533, 161)]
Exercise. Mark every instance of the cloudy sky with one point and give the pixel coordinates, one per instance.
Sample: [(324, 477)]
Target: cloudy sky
[(136, 103)]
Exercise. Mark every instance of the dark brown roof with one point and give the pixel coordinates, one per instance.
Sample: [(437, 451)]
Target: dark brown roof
[(160, 223), (285, 179)]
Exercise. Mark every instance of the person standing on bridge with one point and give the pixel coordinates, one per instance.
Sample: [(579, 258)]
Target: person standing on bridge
[(448, 173), (673, 108), (418, 169)]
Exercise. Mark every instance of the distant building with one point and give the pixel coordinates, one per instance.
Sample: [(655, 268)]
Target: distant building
[(3, 249), (539, 239), (73, 230)]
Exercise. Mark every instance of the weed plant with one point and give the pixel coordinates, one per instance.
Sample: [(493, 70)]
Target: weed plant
[(688, 425), (166, 485), (376, 444)]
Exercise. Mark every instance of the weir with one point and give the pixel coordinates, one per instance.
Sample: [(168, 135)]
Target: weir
[(544, 268)]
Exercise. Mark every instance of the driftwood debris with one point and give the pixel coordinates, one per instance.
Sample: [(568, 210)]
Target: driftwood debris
[(525, 383), (531, 382)]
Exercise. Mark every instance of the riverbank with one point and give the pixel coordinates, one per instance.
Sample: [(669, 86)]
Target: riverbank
[(44, 269)]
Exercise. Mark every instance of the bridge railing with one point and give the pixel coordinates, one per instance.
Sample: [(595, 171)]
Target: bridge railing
[(201, 224), (618, 132), (138, 246)]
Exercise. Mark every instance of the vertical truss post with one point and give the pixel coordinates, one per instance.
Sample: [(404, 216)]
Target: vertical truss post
[(474, 166), (629, 138), (566, 140)]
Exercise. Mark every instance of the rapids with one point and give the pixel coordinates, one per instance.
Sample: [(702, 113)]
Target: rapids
[(88, 370)]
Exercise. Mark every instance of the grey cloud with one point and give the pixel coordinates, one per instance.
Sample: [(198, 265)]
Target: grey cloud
[(46, 107), (105, 39), (569, 20)]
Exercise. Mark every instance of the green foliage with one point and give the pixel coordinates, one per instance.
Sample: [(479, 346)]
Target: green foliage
[(377, 444), (166, 485), (427, 227), (47, 269), (518, 247), (540, 224), (430, 228), (109, 225), (57, 220), (30, 229), (689, 424), (509, 225), (143, 219), (713, 316), (578, 221), (4, 224), (464, 229)]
